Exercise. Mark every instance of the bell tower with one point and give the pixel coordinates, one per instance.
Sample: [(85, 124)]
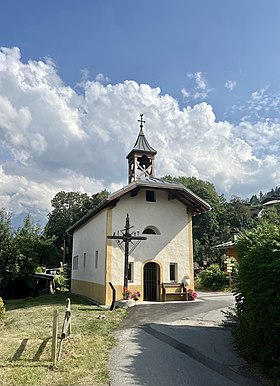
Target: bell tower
[(141, 159)]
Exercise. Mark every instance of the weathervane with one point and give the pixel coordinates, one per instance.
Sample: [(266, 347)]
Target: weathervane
[(141, 121), (125, 238)]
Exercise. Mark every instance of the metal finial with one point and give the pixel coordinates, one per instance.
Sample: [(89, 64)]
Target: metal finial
[(141, 121)]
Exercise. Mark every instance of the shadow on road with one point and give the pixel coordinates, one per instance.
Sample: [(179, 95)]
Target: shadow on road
[(161, 354)]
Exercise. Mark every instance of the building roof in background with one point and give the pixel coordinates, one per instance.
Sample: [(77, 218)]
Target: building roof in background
[(271, 202)]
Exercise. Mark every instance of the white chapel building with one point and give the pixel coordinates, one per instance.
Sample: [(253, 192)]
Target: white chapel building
[(159, 210)]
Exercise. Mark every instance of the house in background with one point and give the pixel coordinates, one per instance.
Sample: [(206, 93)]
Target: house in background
[(159, 210), (229, 248), (269, 203)]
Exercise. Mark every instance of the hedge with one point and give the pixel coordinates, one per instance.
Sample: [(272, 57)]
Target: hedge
[(212, 278), (258, 300)]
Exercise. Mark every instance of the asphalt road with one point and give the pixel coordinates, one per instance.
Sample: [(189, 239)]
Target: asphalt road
[(179, 343)]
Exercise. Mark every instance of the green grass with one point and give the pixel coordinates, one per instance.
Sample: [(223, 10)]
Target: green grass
[(25, 342)]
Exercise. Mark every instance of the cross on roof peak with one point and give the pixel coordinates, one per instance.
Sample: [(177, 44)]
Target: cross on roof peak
[(141, 121)]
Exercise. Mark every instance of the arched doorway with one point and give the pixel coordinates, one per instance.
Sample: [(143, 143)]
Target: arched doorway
[(151, 281)]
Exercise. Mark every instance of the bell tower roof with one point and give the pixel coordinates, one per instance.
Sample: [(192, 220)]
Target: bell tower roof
[(142, 145), (141, 159)]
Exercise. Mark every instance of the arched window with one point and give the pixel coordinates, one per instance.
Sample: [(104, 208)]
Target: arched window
[(151, 230)]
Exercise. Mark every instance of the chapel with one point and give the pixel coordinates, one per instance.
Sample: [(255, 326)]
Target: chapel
[(160, 245)]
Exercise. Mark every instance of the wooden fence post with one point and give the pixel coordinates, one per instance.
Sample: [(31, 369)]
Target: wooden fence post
[(54, 337), (66, 327), (113, 304)]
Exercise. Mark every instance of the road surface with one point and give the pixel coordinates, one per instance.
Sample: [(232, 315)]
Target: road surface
[(178, 343)]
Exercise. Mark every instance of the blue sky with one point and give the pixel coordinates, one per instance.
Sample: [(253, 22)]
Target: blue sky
[(204, 73), (154, 42)]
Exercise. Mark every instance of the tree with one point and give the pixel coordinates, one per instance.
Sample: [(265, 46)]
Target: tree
[(258, 305), (272, 193), (238, 214), (37, 248), (8, 250), (254, 200), (68, 208), (21, 251)]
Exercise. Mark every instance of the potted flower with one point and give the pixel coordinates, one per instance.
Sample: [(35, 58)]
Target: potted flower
[(191, 294), (136, 295), (127, 294)]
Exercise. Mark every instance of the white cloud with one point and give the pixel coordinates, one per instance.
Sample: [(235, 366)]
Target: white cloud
[(102, 78), (198, 87), (230, 85), (263, 105), (53, 138)]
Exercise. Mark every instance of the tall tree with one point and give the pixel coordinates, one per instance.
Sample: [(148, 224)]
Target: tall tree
[(254, 200), (68, 208), (238, 214), (36, 247), (8, 250)]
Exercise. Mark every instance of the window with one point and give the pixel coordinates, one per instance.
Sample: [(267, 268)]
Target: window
[(75, 262), (173, 271), (151, 230), (96, 259), (150, 196), (85, 257), (130, 272)]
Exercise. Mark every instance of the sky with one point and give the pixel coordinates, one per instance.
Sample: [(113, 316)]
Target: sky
[(75, 75)]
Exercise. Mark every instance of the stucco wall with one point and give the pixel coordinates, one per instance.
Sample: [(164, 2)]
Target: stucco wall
[(172, 245), (89, 238), (90, 290)]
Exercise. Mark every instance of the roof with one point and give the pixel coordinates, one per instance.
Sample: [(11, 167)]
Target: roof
[(275, 197), (175, 191), (227, 244), (142, 145), (46, 276), (272, 202)]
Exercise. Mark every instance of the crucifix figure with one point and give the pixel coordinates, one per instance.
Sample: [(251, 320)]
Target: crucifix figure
[(125, 238)]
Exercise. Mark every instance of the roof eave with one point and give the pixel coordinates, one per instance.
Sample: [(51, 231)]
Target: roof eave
[(184, 195), (141, 152)]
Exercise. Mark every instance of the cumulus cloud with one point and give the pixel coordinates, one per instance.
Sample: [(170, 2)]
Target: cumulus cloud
[(230, 85), (53, 138)]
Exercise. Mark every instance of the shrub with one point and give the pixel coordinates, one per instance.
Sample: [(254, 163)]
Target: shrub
[(257, 296), (62, 280), (2, 307), (212, 278)]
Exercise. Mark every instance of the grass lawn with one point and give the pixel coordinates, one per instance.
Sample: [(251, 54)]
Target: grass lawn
[(25, 342)]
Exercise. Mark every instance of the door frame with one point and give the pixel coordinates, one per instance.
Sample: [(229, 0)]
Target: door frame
[(158, 272)]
